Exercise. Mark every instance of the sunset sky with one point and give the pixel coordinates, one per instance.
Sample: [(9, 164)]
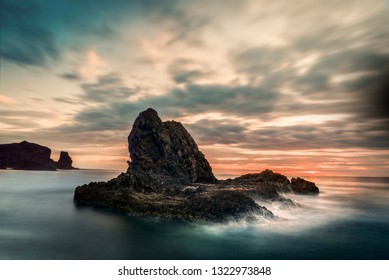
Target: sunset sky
[(301, 87)]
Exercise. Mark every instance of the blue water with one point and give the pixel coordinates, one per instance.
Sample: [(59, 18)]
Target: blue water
[(38, 220)]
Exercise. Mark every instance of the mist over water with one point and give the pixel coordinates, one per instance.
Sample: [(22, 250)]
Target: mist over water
[(38, 220)]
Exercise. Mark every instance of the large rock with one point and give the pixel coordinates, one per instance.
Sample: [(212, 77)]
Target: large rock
[(31, 156), (64, 161), (270, 184), (25, 155), (266, 176), (169, 177), (301, 186), (166, 148)]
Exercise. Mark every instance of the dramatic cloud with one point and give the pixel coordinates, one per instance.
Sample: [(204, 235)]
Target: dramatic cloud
[(25, 40), (116, 116), (260, 60), (301, 86), (187, 71), (195, 99), (107, 89)]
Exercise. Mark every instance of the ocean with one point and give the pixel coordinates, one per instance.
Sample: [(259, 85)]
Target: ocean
[(38, 220)]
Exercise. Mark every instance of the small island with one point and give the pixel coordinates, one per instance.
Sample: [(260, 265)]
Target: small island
[(169, 177), (31, 156)]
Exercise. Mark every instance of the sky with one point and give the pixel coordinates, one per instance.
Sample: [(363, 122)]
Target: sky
[(300, 87)]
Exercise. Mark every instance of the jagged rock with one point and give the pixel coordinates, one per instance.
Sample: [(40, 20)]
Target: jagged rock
[(25, 155), (267, 176), (266, 185), (169, 177), (64, 161), (301, 186), (269, 184), (31, 156), (264, 176), (167, 148)]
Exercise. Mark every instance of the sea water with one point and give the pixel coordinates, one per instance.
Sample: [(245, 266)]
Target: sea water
[(38, 220)]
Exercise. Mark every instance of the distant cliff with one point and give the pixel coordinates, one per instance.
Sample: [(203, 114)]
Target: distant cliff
[(31, 156)]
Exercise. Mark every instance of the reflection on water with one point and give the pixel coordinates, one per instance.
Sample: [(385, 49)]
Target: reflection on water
[(38, 220)]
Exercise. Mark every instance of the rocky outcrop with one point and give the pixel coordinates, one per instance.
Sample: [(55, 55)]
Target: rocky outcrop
[(25, 155), (31, 156), (169, 177), (64, 161), (166, 148), (266, 185), (301, 186), (269, 184), (197, 202)]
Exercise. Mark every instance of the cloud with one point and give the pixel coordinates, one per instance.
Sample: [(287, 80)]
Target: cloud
[(91, 65), (17, 120), (290, 138), (180, 18), (216, 131), (24, 40), (114, 117), (192, 99), (372, 89), (247, 75), (260, 60), (187, 71), (71, 76), (352, 81), (6, 101), (109, 88), (18, 123), (72, 101), (113, 112)]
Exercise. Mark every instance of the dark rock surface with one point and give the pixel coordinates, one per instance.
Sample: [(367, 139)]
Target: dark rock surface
[(166, 148), (64, 161), (269, 184), (302, 186), (25, 155), (169, 177), (30, 156), (194, 203)]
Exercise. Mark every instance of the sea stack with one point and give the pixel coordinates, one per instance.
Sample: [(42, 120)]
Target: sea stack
[(166, 148), (64, 161), (168, 176)]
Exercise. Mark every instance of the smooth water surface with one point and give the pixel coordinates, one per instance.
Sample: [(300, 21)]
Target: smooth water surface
[(38, 220)]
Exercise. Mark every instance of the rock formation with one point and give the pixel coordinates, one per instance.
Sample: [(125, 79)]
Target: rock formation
[(169, 177), (166, 148), (64, 161), (302, 186), (31, 156), (272, 184), (25, 155)]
